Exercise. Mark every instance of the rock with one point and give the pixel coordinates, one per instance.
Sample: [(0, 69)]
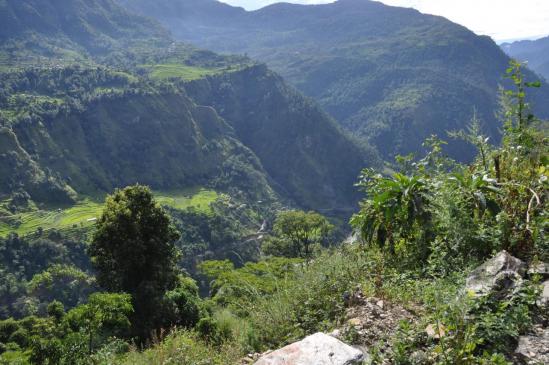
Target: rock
[(317, 349), (541, 269), (355, 322), (534, 349), (336, 333), (500, 275), (380, 304), (435, 331), (543, 301)]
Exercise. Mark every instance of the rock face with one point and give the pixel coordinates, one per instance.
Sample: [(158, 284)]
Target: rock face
[(534, 349), (541, 269), (317, 349), (500, 275), (543, 301)]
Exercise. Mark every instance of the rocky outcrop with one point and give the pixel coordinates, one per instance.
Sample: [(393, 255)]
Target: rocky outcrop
[(543, 301), (373, 321), (317, 349), (534, 349), (499, 276), (541, 269)]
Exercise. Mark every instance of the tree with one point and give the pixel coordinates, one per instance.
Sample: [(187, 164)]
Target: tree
[(64, 283), (133, 251), (104, 315), (302, 230)]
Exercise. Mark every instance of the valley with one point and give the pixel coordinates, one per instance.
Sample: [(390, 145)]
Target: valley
[(391, 84), (347, 183)]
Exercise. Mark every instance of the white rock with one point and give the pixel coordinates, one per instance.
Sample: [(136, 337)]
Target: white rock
[(317, 349), (502, 273), (543, 301), (541, 269)]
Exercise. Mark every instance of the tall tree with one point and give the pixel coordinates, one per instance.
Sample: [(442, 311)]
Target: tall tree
[(133, 251), (302, 230)]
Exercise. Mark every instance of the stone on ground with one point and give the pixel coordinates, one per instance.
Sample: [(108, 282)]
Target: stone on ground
[(500, 275), (317, 349), (534, 349)]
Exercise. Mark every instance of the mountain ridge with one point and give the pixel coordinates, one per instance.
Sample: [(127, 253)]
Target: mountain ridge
[(535, 52), (112, 116), (389, 75)]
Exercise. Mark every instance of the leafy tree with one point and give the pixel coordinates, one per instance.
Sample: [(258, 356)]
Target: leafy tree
[(64, 283), (104, 315), (56, 310), (133, 251), (302, 230), (184, 306)]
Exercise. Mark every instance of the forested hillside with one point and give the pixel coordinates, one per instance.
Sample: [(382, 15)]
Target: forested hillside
[(66, 30), (165, 204), (536, 53), (392, 76), (124, 116)]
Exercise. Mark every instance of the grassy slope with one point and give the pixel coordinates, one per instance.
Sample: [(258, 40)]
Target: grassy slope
[(172, 70), (83, 213)]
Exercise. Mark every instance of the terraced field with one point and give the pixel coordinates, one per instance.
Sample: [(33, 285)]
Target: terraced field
[(188, 73), (86, 211)]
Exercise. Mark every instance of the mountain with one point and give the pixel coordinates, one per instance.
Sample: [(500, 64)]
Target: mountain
[(390, 75), (130, 105), (34, 30), (127, 133), (536, 53), (299, 145)]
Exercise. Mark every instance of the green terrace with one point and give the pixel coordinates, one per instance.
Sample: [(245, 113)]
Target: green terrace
[(185, 72), (85, 212)]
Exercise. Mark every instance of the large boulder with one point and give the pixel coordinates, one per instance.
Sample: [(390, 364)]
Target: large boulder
[(499, 276), (317, 349)]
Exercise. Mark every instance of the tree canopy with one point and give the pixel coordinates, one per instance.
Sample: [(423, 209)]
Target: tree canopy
[(133, 251)]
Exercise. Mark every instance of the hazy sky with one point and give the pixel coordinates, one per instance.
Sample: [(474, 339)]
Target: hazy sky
[(500, 19)]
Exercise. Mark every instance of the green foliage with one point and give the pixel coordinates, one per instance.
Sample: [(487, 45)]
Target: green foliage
[(184, 72), (133, 251), (21, 259), (65, 284), (464, 329), (230, 286), (303, 230), (447, 214), (227, 231), (65, 338), (185, 307), (103, 316), (185, 348), (394, 211)]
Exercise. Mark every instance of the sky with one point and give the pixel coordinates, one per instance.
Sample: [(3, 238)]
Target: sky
[(503, 20)]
